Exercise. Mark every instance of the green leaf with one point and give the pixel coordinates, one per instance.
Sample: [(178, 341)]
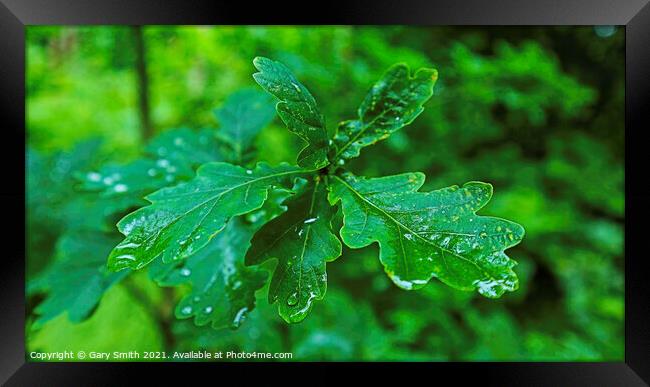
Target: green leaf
[(302, 241), (77, 279), (174, 156), (133, 180), (426, 234), (182, 219), (392, 103), (120, 324), (185, 148), (223, 289), (241, 117), (297, 109)]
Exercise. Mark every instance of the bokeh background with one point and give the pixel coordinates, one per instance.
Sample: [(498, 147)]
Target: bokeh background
[(536, 111)]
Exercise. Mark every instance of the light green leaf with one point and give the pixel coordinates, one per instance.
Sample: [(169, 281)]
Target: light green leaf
[(173, 157), (427, 234), (297, 109), (302, 241), (182, 219), (241, 117), (185, 147), (77, 278), (392, 103), (120, 324), (223, 289)]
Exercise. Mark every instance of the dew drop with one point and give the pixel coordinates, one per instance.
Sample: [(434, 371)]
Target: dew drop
[(163, 163), (185, 272), (186, 310), (208, 309), (249, 172), (239, 317), (310, 220), (293, 299), (120, 188), (152, 172), (94, 176)]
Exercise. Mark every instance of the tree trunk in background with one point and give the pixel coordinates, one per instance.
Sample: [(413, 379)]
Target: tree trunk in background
[(143, 84)]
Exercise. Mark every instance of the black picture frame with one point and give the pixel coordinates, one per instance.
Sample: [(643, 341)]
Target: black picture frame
[(634, 15)]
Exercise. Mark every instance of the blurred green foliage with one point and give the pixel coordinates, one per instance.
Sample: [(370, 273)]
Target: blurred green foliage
[(537, 112)]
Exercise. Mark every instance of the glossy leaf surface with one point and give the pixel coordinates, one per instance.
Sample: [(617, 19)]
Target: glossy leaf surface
[(182, 219), (303, 242), (392, 103), (297, 109), (429, 234)]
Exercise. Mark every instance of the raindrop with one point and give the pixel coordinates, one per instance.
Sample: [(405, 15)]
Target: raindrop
[(240, 316), (163, 163), (186, 310), (152, 172), (185, 272), (120, 188), (208, 309), (249, 172), (94, 176), (293, 299)]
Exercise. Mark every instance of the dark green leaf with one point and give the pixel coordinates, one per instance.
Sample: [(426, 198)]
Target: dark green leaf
[(182, 219), (302, 241), (223, 289), (297, 109), (392, 103), (77, 279), (426, 234)]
